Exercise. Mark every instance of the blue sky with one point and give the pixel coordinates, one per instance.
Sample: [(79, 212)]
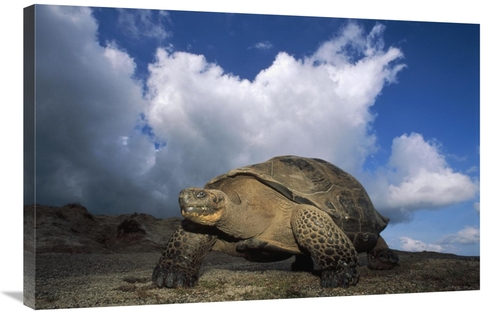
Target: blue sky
[(134, 105)]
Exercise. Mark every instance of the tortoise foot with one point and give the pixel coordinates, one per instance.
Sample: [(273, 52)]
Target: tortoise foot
[(173, 278), (347, 276), (382, 259)]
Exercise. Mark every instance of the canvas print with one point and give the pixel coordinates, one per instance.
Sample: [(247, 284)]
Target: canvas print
[(191, 157)]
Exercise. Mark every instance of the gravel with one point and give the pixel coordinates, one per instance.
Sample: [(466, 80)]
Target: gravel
[(99, 280)]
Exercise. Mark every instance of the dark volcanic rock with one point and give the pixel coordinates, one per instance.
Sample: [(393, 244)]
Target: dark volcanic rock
[(72, 229)]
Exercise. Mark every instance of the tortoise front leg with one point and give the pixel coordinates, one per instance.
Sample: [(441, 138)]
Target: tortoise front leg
[(181, 260), (328, 245)]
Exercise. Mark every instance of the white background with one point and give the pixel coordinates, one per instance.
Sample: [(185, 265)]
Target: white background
[(482, 12)]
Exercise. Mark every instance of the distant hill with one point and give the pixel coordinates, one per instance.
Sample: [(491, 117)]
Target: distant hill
[(72, 229)]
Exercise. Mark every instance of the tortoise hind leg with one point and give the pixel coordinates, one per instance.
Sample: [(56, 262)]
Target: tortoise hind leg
[(381, 257), (328, 245)]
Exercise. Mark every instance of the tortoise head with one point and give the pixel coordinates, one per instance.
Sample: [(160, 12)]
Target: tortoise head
[(203, 206)]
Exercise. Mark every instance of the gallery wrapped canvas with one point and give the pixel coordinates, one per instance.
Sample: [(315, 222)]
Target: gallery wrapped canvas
[(148, 143)]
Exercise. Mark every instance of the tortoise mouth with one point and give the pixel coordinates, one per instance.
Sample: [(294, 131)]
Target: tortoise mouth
[(197, 210), (201, 214)]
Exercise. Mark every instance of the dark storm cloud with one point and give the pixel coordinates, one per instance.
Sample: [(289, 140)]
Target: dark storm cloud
[(87, 108)]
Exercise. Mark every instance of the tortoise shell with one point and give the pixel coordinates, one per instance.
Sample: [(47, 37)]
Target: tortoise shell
[(319, 183)]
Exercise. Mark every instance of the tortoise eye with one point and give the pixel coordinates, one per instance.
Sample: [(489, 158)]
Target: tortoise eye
[(201, 194)]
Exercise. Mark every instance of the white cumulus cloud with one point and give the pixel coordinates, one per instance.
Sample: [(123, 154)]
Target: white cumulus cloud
[(418, 176), (452, 243), (318, 106), (263, 45), (468, 235), (120, 60), (412, 245)]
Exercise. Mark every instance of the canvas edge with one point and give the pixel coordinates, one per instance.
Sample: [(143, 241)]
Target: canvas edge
[(29, 153)]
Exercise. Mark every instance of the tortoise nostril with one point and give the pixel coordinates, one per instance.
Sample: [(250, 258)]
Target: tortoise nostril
[(184, 197)]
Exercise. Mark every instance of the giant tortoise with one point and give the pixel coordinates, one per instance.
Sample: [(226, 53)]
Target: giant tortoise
[(286, 206)]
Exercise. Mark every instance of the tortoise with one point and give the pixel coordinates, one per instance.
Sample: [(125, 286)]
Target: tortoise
[(284, 207)]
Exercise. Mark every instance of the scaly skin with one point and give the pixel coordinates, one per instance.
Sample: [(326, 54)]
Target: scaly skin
[(328, 245), (180, 262)]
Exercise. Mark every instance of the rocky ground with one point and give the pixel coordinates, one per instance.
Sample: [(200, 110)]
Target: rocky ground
[(70, 275)]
